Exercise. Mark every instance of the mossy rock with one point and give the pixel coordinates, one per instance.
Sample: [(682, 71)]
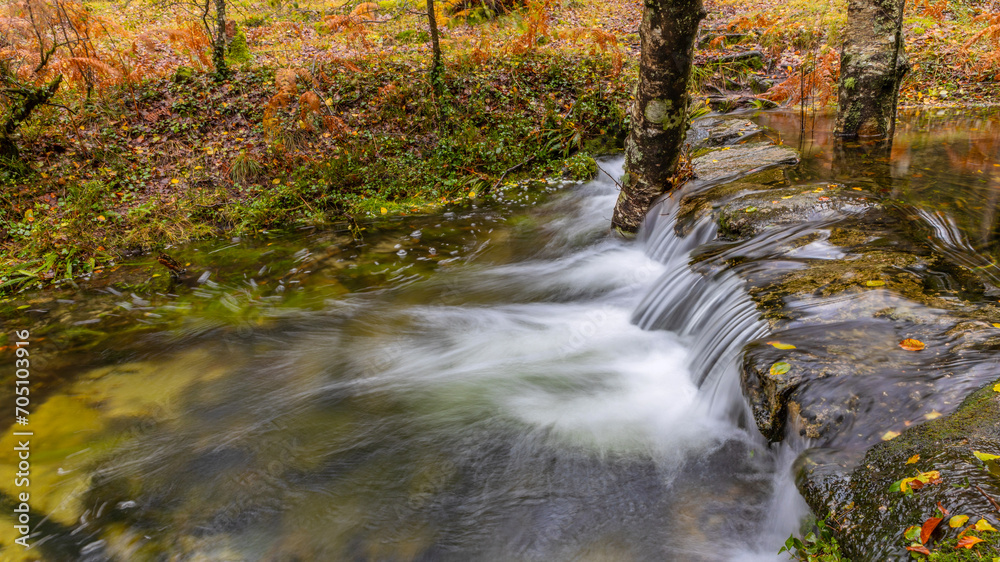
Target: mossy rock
[(870, 517)]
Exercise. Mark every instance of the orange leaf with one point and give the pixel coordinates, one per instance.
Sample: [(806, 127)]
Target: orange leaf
[(928, 527), (921, 549), (910, 344), (968, 542)]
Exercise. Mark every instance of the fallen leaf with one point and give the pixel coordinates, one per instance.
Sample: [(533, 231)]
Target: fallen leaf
[(101, 218), (472, 195), (933, 415), (968, 542), (919, 548), (875, 283), (779, 345), (175, 181), (985, 456), (911, 344), (276, 181), (928, 527), (957, 521), (889, 435), (780, 368), (984, 525), (996, 387), (913, 459), (912, 533), (996, 324), (823, 199)]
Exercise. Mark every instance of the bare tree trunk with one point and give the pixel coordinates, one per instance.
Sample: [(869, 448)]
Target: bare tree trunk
[(436, 67), (659, 114), (219, 45), (872, 65)]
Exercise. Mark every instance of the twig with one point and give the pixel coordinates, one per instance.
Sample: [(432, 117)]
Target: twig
[(620, 186), (992, 501), (504, 175)]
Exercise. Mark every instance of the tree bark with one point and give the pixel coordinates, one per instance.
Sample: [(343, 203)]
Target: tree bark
[(219, 46), (872, 65), (436, 65), (659, 113)]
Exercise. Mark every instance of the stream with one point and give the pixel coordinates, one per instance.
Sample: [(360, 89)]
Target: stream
[(498, 381)]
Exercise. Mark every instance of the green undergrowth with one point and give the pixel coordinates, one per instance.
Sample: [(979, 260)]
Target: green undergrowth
[(186, 157)]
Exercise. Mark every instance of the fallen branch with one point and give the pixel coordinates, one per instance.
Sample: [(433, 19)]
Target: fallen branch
[(992, 501), (504, 175)]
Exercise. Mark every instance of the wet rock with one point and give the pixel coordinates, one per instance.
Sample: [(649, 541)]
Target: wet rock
[(733, 162), (713, 132), (748, 216), (849, 383), (870, 518)]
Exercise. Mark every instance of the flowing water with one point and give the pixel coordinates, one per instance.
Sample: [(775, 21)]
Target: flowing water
[(503, 382)]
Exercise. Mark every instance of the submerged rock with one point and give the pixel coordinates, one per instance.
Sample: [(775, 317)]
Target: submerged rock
[(870, 514)]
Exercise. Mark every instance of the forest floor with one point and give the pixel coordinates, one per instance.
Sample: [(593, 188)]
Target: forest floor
[(329, 117)]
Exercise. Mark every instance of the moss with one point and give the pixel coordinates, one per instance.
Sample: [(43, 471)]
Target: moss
[(239, 51)]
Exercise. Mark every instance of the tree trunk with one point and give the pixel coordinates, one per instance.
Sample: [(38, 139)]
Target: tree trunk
[(659, 114), (219, 46), (872, 65), (435, 72), (31, 97)]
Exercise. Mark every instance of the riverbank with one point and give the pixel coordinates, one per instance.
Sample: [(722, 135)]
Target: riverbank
[(323, 125)]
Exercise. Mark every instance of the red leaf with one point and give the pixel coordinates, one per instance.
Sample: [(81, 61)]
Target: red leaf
[(928, 528), (968, 542), (944, 511), (921, 549)]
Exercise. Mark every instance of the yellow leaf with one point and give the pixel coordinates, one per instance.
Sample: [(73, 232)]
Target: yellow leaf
[(888, 435), (913, 459), (984, 525), (780, 368), (985, 456), (875, 283), (472, 195), (957, 521), (384, 210), (29, 215), (779, 345), (932, 415), (101, 218), (276, 181), (910, 344), (995, 324), (996, 387), (175, 181)]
